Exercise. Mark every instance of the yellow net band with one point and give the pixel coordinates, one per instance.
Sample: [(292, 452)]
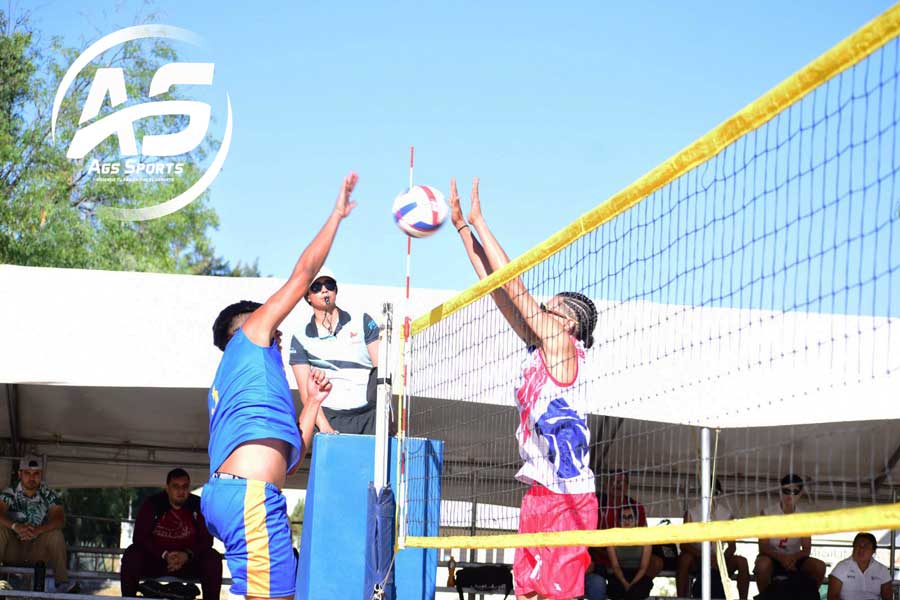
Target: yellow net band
[(841, 57), (796, 525)]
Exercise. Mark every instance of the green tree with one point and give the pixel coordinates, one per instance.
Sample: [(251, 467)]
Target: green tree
[(297, 522), (49, 204), (223, 268)]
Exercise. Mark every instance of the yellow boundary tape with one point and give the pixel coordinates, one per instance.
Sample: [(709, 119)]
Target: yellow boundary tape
[(885, 516), (841, 57)]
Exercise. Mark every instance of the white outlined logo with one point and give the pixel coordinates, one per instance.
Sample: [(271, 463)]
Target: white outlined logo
[(111, 82)]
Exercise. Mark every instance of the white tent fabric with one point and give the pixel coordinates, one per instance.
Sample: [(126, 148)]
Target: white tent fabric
[(106, 373), (710, 367)]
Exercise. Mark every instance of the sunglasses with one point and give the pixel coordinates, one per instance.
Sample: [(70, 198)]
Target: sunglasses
[(627, 517), (328, 284), (549, 311), (790, 491)]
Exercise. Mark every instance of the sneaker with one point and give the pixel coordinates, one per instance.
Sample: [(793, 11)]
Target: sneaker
[(68, 587), (152, 589), (5, 585), (178, 590)]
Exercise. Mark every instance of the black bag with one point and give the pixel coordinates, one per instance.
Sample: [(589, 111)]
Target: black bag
[(667, 552), (487, 579), (669, 555), (715, 586), (796, 586)]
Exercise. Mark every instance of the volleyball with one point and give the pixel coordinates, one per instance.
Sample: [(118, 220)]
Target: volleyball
[(420, 212)]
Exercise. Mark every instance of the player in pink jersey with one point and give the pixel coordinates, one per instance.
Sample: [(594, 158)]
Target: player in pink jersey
[(554, 440)]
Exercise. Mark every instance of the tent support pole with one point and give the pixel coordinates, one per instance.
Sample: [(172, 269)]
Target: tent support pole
[(705, 569), (893, 542), (473, 524), (12, 406)]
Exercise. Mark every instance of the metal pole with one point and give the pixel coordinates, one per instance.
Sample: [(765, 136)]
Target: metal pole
[(383, 403), (705, 570), (473, 526), (12, 407), (893, 540)]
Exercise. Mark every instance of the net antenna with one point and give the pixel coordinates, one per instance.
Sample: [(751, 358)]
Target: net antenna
[(403, 408)]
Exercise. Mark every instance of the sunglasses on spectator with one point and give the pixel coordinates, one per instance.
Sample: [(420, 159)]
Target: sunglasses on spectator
[(628, 517), (317, 286), (790, 491)]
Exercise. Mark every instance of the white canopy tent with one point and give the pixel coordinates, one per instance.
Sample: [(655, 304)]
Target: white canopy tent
[(790, 392), (106, 373)]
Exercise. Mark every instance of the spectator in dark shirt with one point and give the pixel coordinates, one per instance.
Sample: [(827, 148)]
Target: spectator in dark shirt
[(171, 538), (613, 500)]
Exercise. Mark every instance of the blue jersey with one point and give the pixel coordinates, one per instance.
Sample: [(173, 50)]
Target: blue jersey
[(250, 399)]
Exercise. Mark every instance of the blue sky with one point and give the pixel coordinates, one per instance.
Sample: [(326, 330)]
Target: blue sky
[(555, 106)]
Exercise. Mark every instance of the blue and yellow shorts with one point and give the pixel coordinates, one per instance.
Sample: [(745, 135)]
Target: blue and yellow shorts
[(251, 518)]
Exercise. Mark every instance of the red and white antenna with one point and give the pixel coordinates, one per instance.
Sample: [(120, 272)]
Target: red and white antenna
[(404, 395)]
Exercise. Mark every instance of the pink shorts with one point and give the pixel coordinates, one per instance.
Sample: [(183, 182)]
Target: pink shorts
[(555, 572)]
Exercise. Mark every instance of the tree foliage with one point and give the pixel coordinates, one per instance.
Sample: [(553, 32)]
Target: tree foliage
[(297, 521), (49, 204), (94, 515)]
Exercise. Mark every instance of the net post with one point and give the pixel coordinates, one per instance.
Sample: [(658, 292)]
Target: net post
[(705, 571), (383, 402)]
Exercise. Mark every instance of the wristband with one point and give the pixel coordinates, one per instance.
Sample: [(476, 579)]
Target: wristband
[(461, 228)]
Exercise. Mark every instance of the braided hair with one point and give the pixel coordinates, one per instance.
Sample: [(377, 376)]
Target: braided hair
[(585, 314), (225, 325)]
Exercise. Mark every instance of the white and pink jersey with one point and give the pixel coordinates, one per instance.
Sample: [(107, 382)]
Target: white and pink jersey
[(554, 440)]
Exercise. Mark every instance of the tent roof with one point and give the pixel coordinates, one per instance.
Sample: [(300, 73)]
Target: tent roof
[(107, 373)]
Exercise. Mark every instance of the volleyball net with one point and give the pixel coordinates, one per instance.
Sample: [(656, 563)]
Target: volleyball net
[(750, 285)]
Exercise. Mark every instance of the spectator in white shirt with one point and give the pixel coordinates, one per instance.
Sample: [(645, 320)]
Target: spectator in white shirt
[(860, 577)]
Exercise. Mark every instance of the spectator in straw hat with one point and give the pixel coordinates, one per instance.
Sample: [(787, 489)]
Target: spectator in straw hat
[(31, 522)]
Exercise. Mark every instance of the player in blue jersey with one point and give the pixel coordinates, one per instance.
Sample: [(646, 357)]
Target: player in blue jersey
[(255, 438)]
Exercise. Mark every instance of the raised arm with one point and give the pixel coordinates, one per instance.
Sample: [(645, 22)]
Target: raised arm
[(261, 325), (550, 332), (479, 261)]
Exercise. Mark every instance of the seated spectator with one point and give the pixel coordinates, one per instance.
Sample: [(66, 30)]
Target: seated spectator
[(171, 538), (782, 556), (595, 574), (629, 564), (612, 501), (31, 522), (860, 577), (689, 558)]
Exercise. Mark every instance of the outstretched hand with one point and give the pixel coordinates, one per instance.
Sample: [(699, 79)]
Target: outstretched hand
[(456, 216), (344, 205), (318, 386), (475, 210)]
